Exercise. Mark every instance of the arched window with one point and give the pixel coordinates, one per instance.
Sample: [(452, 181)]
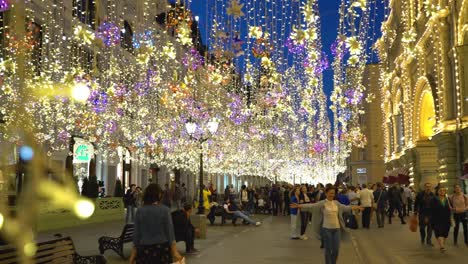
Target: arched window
[(36, 33), (85, 11), (127, 37), (427, 116)]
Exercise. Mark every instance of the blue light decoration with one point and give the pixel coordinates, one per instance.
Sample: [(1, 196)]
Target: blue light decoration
[(143, 39), (26, 153)]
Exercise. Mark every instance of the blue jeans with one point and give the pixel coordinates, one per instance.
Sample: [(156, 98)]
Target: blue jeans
[(240, 214), (331, 239), (130, 214)]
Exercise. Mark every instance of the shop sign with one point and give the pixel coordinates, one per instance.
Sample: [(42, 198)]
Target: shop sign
[(82, 152), (361, 170)]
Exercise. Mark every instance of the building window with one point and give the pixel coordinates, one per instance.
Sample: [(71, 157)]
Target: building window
[(362, 155), (127, 37), (85, 11), (399, 132), (390, 136), (36, 40)]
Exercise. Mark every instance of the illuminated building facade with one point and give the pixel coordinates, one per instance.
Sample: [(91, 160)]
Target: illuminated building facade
[(424, 56)]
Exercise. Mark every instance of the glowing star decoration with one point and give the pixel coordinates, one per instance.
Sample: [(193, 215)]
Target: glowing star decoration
[(255, 32), (109, 33), (184, 34), (83, 35), (354, 46), (362, 4), (267, 63), (169, 51), (4, 5), (235, 9), (309, 14)]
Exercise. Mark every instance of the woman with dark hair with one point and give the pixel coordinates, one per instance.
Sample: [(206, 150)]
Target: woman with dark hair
[(154, 240), (440, 216), (327, 222)]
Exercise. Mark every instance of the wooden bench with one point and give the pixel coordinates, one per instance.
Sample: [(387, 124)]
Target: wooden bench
[(61, 250), (219, 211), (117, 243)]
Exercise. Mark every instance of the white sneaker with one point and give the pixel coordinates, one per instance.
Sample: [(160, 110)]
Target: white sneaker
[(304, 237), (258, 223)]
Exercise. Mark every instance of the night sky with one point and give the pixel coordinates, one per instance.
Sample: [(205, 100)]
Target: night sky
[(329, 22)]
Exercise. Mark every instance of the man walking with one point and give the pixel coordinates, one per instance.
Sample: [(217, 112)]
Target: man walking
[(130, 203), (380, 199), (396, 203), (367, 201), (422, 209)]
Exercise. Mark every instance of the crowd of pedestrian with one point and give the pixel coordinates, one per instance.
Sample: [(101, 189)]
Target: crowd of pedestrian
[(326, 209)]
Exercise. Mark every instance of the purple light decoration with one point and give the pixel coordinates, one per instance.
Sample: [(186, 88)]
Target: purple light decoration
[(98, 101), (63, 136), (323, 64), (193, 59), (237, 117), (338, 48), (319, 147), (4, 5), (111, 126), (109, 33), (293, 47), (120, 112), (353, 96), (121, 90)]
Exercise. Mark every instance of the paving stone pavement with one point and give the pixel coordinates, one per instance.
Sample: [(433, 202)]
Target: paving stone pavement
[(266, 244), (395, 244)]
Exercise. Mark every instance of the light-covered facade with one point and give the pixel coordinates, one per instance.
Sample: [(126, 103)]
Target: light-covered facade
[(424, 75)]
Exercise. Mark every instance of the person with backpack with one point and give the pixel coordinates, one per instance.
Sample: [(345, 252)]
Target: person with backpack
[(380, 199), (130, 204)]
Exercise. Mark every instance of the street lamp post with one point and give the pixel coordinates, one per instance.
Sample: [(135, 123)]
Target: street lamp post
[(191, 128)]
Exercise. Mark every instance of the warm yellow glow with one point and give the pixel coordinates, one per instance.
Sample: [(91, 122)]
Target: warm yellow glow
[(427, 116), (80, 92), (84, 209), (1, 221), (30, 249)]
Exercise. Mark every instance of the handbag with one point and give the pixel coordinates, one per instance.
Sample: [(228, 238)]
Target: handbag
[(351, 222)]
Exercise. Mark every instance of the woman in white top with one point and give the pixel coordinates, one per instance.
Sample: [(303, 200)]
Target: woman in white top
[(327, 221)]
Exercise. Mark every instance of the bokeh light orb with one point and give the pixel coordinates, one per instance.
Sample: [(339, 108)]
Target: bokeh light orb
[(26, 153), (30, 249), (80, 92), (84, 209), (1, 221)]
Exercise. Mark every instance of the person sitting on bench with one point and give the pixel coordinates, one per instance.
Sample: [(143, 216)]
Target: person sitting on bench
[(231, 208), (183, 228)]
